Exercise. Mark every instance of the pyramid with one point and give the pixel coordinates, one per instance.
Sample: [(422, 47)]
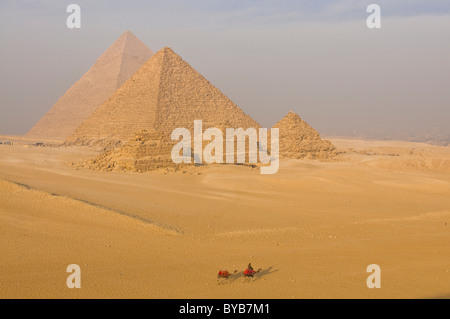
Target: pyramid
[(164, 94), (120, 61), (299, 140), (147, 151)]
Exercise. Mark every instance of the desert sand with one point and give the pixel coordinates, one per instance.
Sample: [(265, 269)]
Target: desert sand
[(313, 227)]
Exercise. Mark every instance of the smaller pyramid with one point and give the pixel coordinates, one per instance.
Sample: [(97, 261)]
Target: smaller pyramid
[(151, 150), (299, 140), (147, 151)]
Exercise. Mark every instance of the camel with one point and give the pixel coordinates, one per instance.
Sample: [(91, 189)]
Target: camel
[(249, 272), (224, 274)]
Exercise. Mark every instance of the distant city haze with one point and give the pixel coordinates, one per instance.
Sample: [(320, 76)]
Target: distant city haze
[(269, 57)]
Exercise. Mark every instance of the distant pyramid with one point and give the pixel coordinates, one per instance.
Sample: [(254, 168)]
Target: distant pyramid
[(165, 93), (299, 140), (120, 61)]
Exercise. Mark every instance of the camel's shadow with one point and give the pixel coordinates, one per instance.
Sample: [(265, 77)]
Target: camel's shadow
[(265, 272)]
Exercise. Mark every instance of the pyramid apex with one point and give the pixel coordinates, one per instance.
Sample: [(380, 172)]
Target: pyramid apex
[(128, 35), (167, 50), (292, 115), (291, 118), (124, 36), (128, 43)]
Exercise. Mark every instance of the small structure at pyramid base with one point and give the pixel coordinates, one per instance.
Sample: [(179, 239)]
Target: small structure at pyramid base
[(148, 151), (299, 140), (104, 143), (151, 149)]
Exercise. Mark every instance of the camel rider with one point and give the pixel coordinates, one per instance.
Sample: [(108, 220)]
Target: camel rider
[(249, 272)]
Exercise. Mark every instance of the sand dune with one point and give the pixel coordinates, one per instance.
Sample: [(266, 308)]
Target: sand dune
[(313, 227)]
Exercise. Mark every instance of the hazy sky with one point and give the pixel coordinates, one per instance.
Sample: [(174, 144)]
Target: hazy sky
[(317, 58)]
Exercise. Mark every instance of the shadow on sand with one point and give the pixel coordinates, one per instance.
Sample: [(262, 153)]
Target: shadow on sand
[(265, 272), (240, 274)]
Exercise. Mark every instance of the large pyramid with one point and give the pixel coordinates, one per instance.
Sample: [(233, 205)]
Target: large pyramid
[(299, 140), (120, 61), (164, 94)]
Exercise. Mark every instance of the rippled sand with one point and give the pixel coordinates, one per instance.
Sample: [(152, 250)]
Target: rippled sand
[(313, 227)]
